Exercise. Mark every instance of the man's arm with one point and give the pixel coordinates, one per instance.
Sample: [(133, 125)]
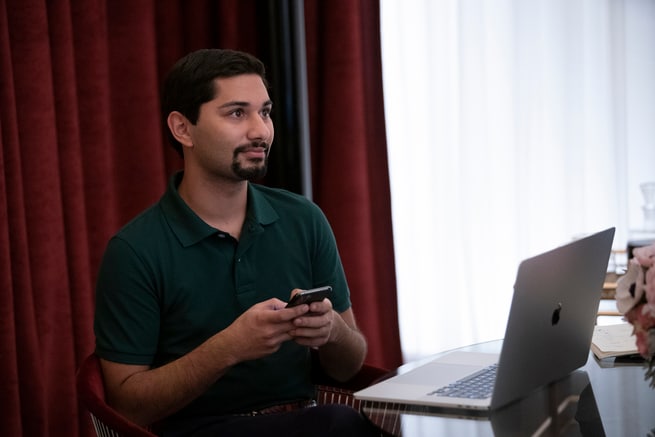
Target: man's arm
[(343, 356), (145, 395), (341, 346)]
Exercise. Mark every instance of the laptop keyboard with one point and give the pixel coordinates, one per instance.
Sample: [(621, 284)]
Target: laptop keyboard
[(478, 385)]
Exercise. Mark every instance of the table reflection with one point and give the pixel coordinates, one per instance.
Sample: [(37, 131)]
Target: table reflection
[(605, 397)]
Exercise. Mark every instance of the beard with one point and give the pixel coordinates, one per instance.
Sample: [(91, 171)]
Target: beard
[(256, 170), (251, 174)]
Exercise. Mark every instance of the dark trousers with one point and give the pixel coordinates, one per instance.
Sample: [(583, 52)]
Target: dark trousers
[(323, 420)]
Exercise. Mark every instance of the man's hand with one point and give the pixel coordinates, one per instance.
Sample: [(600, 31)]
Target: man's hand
[(341, 347), (261, 330), (316, 326)]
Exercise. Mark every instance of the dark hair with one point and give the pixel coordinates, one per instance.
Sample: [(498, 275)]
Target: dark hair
[(190, 82)]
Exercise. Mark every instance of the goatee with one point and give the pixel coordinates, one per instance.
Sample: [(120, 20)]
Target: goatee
[(251, 173), (255, 172)]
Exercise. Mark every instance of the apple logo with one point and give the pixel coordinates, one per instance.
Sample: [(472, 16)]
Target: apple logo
[(555, 319)]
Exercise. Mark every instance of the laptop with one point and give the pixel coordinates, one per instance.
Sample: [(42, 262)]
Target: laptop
[(548, 335)]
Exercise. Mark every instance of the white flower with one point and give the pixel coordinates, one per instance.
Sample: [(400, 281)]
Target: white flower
[(630, 287)]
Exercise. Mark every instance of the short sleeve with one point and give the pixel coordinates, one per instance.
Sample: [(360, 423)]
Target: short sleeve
[(127, 312)]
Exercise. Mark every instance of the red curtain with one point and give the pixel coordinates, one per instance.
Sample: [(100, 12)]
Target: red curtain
[(350, 171), (82, 151)]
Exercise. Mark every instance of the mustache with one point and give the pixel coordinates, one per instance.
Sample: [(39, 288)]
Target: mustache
[(253, 145)]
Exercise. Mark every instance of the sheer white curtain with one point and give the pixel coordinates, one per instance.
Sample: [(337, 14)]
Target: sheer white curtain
[(513, 126)]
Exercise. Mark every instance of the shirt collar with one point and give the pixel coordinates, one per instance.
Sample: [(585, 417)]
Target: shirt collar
[(190, 229)]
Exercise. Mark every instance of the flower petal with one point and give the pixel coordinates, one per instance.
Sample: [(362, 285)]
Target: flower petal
[(645, 255), (629, 287)]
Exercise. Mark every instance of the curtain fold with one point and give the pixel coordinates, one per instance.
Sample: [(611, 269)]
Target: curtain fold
[(82, 151)]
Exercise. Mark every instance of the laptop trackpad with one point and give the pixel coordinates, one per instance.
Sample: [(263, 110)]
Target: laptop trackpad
[(447, 369)]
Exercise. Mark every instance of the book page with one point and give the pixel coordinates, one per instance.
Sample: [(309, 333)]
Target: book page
[(613, 340)]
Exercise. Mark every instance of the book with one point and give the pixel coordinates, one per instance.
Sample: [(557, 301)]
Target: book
[(613, 341)]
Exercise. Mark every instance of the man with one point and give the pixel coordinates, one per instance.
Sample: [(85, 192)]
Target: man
[(191, 324)]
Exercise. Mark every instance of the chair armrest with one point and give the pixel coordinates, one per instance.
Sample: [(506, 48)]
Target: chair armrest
[(91, 393), (366, 376), (331, 391)]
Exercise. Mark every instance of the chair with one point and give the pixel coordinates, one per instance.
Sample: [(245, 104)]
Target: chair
[(109, 423), (91, 392)]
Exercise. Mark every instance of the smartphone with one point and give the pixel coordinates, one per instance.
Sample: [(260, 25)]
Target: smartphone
[(309, 296)]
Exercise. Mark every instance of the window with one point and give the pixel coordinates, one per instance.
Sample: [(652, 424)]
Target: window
[(512, 128)]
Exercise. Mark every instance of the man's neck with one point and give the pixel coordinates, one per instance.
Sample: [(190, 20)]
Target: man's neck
[(221, 204)]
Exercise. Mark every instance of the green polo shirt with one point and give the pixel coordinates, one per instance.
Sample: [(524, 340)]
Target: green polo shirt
[(168, 281)]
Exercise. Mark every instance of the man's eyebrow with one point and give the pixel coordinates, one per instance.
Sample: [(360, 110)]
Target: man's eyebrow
[(240, 104)]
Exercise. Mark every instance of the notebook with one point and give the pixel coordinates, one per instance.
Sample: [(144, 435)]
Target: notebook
[(548, 333)]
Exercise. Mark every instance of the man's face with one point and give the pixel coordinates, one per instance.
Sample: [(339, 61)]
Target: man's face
[(234, 131)]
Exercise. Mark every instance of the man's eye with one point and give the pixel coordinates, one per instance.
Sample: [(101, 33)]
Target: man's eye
[(266, 113), (237, 113)]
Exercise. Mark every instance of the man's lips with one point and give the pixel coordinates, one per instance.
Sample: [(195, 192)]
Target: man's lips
[(254, 153)]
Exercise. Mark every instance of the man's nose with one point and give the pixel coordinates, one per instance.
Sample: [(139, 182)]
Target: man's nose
[(259, 129)]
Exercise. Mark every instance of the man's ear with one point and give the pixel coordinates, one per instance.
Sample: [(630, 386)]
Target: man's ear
[(179, 126)]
